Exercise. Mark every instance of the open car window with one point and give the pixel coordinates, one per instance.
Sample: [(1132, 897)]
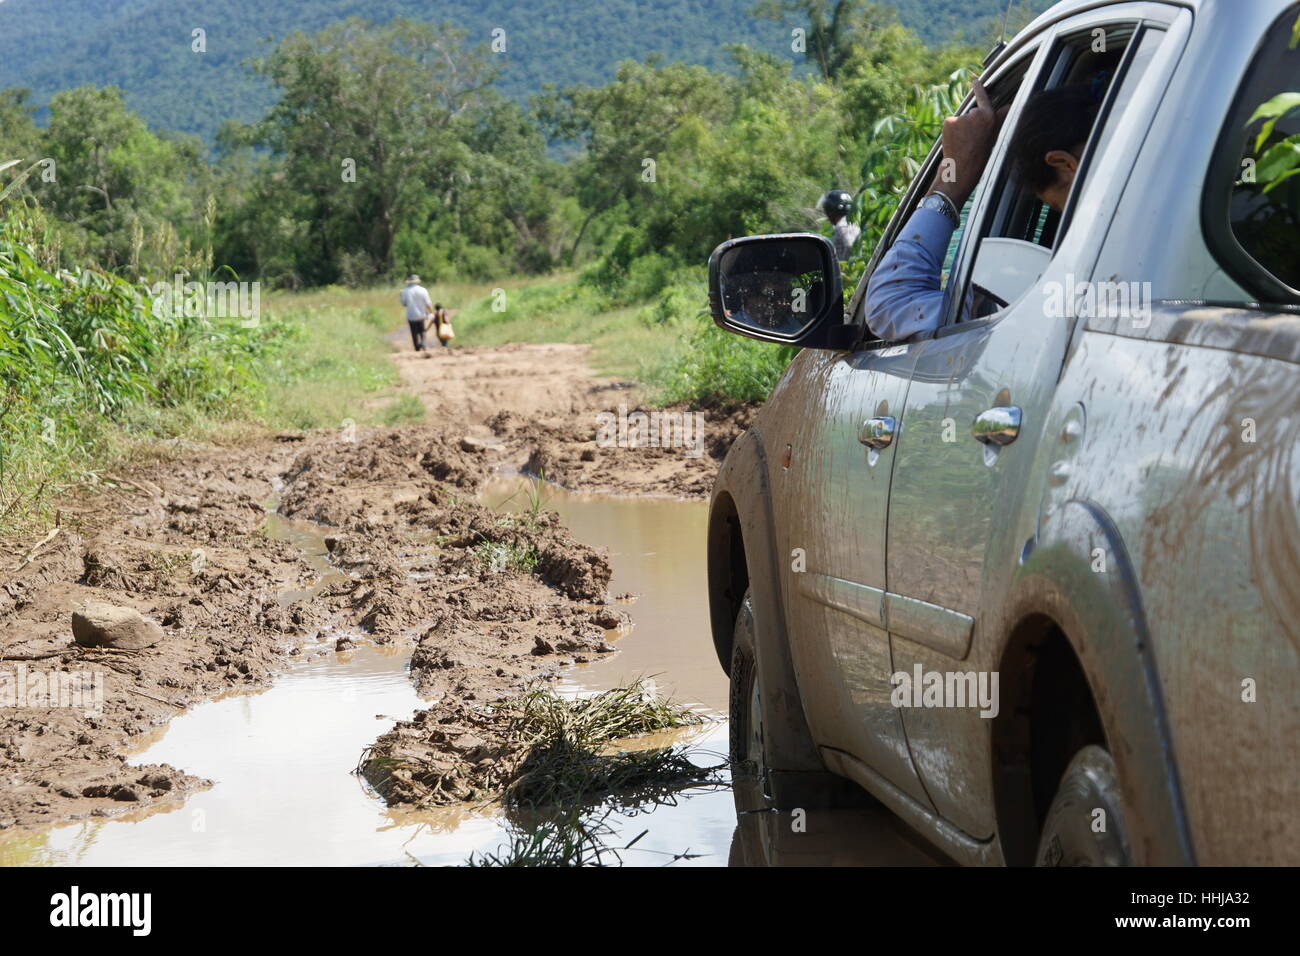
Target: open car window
[(1020, 231), (1002, 91)]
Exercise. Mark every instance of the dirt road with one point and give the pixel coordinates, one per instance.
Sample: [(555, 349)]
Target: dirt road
[(554, 418), (185, 541)]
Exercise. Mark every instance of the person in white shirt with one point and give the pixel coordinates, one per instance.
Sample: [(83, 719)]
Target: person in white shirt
[(415, 298)]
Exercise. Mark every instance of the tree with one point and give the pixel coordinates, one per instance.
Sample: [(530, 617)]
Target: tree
[(19, 137), (133, 197), (625, 126), (369, 119), (830, 26)]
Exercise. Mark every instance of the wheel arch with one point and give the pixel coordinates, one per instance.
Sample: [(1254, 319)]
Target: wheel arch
[(742, 553), (1075, 601)]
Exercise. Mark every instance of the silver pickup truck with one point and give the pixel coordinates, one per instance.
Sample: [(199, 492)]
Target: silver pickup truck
[(1032, 579)]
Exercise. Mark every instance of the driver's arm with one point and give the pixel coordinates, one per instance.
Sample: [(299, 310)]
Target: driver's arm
[(904, 297)]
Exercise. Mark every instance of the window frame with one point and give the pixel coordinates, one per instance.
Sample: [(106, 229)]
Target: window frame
[(1033, 53), (1050, 72)]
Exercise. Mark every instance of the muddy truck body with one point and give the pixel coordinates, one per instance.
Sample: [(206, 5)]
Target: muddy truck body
[(1033, 580)]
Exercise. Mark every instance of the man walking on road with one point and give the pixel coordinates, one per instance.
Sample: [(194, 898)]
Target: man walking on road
[(415, 298)]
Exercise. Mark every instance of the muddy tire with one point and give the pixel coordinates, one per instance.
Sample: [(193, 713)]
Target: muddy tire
[(1070, 838), (746, 715)]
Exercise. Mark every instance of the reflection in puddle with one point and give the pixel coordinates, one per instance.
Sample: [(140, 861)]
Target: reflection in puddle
[(281, 759)]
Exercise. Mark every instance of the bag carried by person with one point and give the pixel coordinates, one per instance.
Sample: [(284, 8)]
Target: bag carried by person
[(443, 325)]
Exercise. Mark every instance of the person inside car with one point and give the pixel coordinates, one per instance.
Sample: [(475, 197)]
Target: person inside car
[(904, 296)]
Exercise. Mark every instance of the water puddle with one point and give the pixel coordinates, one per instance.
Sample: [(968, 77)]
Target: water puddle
[(282, 758)]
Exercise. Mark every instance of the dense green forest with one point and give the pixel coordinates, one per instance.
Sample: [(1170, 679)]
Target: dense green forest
[(144, 47)]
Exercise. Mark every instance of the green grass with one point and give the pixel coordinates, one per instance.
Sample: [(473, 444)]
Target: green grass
[(625, 341), (502, 556), (668, 343)]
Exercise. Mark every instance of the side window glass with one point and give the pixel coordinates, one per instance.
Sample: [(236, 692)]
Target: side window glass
[(1254, 185)]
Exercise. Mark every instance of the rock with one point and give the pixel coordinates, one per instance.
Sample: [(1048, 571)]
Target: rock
[(466, 743), (100, 624), (344, 644), (588, 454), (608, 617), (156, 781)]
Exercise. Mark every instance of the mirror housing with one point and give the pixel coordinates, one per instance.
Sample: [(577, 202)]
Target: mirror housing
[(783, 288)]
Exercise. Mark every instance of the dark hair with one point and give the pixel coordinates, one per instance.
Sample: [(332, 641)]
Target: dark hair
[(1053, 119), (437, 305)]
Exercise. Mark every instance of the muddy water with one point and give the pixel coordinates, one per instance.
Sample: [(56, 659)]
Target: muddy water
[(656, 549), (281, 759)]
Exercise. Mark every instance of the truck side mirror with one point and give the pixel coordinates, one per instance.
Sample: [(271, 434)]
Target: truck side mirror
[(780, 288)]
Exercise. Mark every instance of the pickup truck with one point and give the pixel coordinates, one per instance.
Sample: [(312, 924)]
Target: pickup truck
[(1032, 579)]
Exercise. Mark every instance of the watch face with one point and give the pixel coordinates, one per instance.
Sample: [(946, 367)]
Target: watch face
[(938, 205)]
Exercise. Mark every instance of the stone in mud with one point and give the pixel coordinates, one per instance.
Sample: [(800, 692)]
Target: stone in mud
[(608, 617), (544, 462), (475, 445), (578, 571), (100, 624)]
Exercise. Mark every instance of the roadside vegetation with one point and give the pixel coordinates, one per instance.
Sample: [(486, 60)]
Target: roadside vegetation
[(93, 377), (583, 215)]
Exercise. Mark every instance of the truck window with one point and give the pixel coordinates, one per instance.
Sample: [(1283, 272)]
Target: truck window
[(1251, 209), (1021, 230)]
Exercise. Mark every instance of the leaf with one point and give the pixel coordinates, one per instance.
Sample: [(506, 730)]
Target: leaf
[(1280, 180), (1278, 160), (19, 180), (1272, 110)]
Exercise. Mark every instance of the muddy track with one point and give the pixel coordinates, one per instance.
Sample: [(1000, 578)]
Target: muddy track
[(488, 601)]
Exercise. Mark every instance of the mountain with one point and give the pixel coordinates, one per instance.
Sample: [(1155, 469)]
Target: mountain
[(144, 46)]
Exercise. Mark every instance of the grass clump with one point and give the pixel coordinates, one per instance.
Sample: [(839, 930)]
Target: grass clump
[(571, 838), (539, 749), (502, 556)]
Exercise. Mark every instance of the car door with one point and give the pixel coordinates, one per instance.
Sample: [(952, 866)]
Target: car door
[(979, 396), (841, 473), (838, 479)]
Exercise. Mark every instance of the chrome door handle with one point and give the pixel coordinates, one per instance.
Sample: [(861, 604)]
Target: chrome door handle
[(999, 425), (877, 433)]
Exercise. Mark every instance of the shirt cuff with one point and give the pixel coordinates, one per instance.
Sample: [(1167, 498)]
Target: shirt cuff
[(933, 230)]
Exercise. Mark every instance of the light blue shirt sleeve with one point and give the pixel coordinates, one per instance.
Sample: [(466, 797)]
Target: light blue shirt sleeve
[(904, 297)]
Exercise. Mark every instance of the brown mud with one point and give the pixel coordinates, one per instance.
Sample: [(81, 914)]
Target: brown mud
[(539, 409), (490, 601)]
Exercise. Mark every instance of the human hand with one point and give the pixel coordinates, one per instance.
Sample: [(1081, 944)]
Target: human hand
[(967, 142)]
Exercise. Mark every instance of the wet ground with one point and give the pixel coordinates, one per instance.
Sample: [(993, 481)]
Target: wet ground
[(282, 759)]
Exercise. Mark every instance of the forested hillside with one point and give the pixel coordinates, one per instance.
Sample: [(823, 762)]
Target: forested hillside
[(144, 46)]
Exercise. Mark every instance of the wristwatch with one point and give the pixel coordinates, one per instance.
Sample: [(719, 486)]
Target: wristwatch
[(940, 203)]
